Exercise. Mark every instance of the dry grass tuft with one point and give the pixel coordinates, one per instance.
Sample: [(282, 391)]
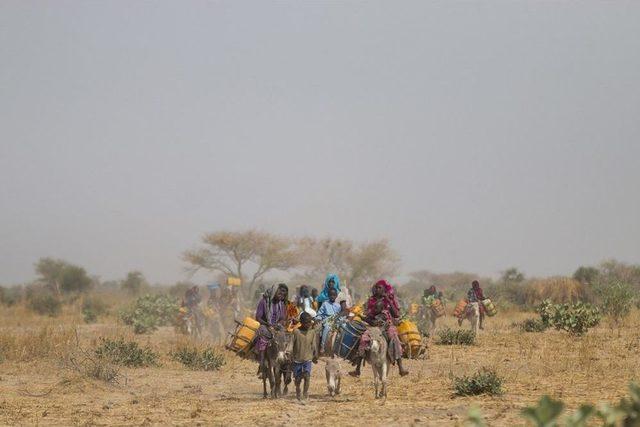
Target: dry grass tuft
[(46, 342)]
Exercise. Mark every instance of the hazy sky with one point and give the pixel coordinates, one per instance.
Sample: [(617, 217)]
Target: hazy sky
[(474, 135)]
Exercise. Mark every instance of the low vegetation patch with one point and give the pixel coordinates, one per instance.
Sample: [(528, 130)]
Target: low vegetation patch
[(616, 300), (48, 342), (44, 303), (149, 312), (449, 336), (576, 318), (92, 308), (485, 381), (126, 353), (532, 325), (207, 359), (10, 296)]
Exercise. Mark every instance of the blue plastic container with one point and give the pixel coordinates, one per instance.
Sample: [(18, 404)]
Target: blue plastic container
[(348, 338)]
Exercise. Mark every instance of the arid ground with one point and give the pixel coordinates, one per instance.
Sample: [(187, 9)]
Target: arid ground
[(37, 386)]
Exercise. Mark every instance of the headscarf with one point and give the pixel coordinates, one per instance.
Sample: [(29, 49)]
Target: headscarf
[(477, 290), (390, 294), (324, 295), (268, 300)]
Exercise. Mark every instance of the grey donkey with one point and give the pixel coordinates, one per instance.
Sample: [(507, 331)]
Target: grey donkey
[(377, 358), (332, 371)]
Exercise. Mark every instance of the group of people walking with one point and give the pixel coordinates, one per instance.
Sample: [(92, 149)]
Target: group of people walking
[(310, 316), (332, 304)]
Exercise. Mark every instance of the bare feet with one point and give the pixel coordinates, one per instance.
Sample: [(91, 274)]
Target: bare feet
[(354, 374), (404, 372)]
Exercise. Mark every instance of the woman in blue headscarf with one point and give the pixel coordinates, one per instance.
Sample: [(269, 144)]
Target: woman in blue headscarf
[(331, 282)]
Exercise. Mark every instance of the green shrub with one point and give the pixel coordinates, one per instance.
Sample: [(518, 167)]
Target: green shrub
[(532, 325), (485, 381), (10, 296), (126, 353), (574, 318), (92, 308), (44, 303), (616, 300), (547, 412), (449, 336), (201, 360), (149, 312)]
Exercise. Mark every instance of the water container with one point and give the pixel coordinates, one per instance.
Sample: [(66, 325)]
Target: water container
[(437, 308), (460, 308), (348, 338), (243, 335), (489, 307), (408, 333)]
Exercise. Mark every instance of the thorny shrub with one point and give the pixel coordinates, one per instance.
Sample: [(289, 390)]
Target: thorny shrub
[(92, 308), (532, 325), (448, 336), (485, 381), (207, 359), (149, 312), (126, 353), (44, 303)]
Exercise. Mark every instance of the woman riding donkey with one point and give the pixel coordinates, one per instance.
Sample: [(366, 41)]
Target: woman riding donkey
[(383, 311), (272, 314)]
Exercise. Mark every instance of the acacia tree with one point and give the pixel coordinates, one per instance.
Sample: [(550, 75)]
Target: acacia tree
[(61, 276), (248, 255), (134, 283), (359, 265), (512, 275)]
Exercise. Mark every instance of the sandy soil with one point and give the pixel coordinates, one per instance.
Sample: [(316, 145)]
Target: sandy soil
[(593, 368)]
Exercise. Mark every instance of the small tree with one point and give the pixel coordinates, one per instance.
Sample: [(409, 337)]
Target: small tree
[(359, 265), (134, 283), (61, 276), (617, 300), (235, 253), (512, 275), (587, 275)]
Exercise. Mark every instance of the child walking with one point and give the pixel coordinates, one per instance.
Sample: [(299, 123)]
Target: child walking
[(304, 351)]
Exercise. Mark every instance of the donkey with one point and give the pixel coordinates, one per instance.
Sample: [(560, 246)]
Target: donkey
[(332, 372), (276, 366), (471, 313), (376, 356)]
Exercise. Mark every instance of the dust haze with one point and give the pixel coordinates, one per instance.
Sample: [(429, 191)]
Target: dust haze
[(474, 137)]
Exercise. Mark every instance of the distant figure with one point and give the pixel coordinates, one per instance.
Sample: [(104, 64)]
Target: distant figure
[(429, 296), (192, 297), (192, 300), (305, 301), (235, 302), (346, 296), (475, 296)]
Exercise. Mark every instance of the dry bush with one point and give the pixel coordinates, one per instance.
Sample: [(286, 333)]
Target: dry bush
[(558, 290), (48, 342), (93, 368)]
